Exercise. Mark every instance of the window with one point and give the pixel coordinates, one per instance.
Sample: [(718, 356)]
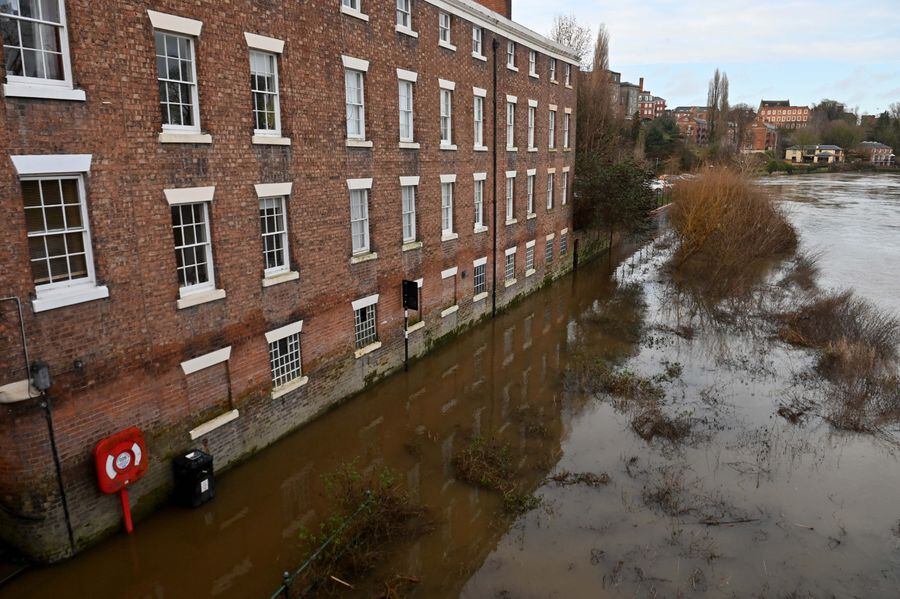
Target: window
[(478, 111), (511, 55), (510, 197), (193, 248), (59, 241), (510, 125), (404, 14), (264, 86), (35, 43), (444, 28), (510, 265), (273, 225), (356, 108), (446, 117), (532, 115), (446, 208), (284, 357), (408, 193), (366, 332), (177, 75), (477, 41), (552, 129), (565, 187), (353, 4), (564, 244), (553, 70), (568, 74), (532, 63), (359, 220), (529, 258), (550, 183), (548, 256), (531, 179), (567, 121), (480, 277), (479, 204), (406, 111)]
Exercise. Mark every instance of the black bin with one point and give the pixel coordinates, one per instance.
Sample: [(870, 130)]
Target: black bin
[(194, 482)]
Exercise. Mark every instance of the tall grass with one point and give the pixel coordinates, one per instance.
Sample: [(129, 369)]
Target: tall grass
[(729, 230)]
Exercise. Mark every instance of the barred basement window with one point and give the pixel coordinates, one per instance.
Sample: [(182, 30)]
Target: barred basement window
[(480, 279), (264, 86), (177, 74), (563, 244), (59, 243), (549, 252), (529, 258), (273, 226), (366, 333), (35, 42), (284, 357), (510, 266), (193, 248)]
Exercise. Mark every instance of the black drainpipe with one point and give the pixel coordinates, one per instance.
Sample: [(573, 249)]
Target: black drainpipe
[(495, 46)]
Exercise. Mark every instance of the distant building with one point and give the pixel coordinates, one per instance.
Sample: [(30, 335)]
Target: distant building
[(650, 107), (629, 98), (615, 84), (822, 154), (699, 112), (761, 137), (781, 114), (692, 122), (876, 152)]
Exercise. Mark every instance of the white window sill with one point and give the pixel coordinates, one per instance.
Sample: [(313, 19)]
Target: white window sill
[(449, 311), (512, 149), (364, 258), (217, 422), (480, 229), (60, 298), (203, 297), (530, 216), (449, 147), (172, 137), (532, 149), (416, 327), (446, 45), (513, 69), (406, 31), (354, 13), (551, 149), (478, 56), (284, 277), (567, 149), (409, 145), (481, 148), (529, 272), (359, 143), (43, 92), (510, 283), (271, 140), (18, 391), (288, 387), (554, 82), (412, 245), (365, 351), (479, 298), (569, 86), (512, 221), (534, 75), (449, 236)]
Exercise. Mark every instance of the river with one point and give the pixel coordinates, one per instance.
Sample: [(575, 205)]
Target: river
[(750, 504)]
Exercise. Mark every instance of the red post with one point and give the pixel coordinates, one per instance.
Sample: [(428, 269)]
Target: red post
[(126, 510)]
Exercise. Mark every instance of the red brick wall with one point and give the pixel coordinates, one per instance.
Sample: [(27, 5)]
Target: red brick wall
[(131, 345), (504, 7)]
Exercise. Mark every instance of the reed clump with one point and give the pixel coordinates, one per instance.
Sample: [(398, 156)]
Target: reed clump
[(488, 464)]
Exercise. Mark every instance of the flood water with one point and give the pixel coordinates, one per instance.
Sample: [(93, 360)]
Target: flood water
[(763, 507)]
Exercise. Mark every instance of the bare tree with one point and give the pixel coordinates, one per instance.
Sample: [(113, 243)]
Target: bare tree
[(567, 31), (717, 103), (601, 49)]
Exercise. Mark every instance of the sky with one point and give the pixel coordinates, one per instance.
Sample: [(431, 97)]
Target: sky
[(797, 50)]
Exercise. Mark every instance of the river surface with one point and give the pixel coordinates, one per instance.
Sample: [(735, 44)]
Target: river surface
[(750, 504)]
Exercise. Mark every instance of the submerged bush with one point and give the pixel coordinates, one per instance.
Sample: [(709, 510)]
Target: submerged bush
[(487, 463)]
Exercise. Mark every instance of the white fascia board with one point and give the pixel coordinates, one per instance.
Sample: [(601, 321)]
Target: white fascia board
[(189, 195), (405, 75), (511, 99), (285, 331), (175, 24), (449, 85), (365, 302), (409, 181), (448, 178), (532, 172), (480, 262), (450, 272), (205, 361), (511, 174), (480, 92), (52, 164), (266, 44), (359, 184), (479, 176), (531, 243), (357, 64), (268, 190), (533, 103)]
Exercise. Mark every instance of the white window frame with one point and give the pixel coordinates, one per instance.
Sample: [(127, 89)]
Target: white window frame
[(532, 64), (478, 42), (510, 197), (476, 264), (408, 185), (551, 183), (448, 182), (568, 72), (285, 253), (567, 124), (529, 257), (373, 344), (357, 68), (478, 200), (479, 96), (353, 8), (210, 284), (565, 186), (445, 30), (552, 68), (360, 187), (552, 128), (446, 113), (407, 80), (511, 56), (276, 131), (532, 180), (532, 125), (509, 264), (41, 87), (194, 85), (511, 122), (404, 15), (292, 332)]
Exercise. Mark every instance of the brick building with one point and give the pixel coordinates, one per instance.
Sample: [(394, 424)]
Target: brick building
[(875, 152), (651, 107), (781, 114), (692, 122), (217, 263), (760, 138)]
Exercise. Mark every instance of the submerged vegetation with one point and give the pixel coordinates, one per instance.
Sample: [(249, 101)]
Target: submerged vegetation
[(487, 463)]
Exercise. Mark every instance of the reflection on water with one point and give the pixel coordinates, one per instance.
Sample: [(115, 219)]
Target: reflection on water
[(752, 504)]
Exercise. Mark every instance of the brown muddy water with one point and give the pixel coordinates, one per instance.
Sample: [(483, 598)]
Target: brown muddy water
[(748, 505)]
